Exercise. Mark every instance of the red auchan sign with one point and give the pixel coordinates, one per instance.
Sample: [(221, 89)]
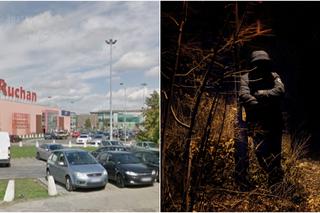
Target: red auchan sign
[(19, 93)]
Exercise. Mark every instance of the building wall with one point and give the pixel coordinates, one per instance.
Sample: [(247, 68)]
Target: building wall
[(67, 121), (81, 119), (133, 118), (8, 108)]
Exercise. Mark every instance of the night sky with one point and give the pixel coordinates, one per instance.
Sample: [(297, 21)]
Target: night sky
[(294, 48)]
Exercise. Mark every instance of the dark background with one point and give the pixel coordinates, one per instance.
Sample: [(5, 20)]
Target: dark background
[(294, 48)]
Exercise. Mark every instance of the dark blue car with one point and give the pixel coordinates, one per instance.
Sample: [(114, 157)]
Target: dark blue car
[(126, 169)]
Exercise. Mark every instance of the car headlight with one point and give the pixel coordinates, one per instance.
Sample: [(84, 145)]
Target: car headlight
[(131, 173), (80, 175), (153, 172), (104, 172)]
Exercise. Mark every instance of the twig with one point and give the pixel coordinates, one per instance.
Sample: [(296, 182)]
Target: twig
[(187, 73), (177, 119), (251, 193)]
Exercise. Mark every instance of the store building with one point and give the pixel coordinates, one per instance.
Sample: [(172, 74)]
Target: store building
[(131, 118), (82, 118), (20, 115)]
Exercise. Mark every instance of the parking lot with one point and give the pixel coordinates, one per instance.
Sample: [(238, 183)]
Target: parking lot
[(112, 198), (24, 168)]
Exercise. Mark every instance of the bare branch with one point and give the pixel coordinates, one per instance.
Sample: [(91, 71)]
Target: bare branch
[(165, 94), (251, 193), (177, 119), (187, 73)]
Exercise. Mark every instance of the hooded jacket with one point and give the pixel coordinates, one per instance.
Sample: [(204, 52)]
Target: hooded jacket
[(261, 97)]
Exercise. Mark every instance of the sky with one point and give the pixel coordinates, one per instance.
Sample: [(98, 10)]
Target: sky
[(58, 50)]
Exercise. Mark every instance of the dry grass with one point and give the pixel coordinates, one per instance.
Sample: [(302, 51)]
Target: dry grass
[(215, 189)]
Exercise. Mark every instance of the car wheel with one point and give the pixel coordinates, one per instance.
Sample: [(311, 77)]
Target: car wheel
[(38, 156), (69, 186), (102, 187), (120, 182)]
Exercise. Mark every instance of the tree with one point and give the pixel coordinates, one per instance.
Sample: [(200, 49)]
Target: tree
[(199, 80), (87, 124), (151, 123)]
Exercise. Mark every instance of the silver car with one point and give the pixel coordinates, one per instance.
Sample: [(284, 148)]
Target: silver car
[(45, 150), (147, 145), (76, 168)]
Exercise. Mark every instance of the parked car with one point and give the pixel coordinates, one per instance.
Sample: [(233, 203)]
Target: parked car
[(146, 145), (76, 169), (83, 138), (75, 134), (15, 139), (95, 153), (61, 134), (126, 169), (150, 158), (45, 150), (111, 143), (97, 139), (49, 136), (5, 155)]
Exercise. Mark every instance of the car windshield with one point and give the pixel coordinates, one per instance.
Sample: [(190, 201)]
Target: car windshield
[(115, 143), (80, 158), (83, 136), (105, 143), (55, 147), (98, 136), (152, 157), (127, 158), (152, 145)]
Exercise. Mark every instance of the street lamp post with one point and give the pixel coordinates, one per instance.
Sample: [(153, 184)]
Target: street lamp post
[(111, 42), (125, 112), (143, 95)]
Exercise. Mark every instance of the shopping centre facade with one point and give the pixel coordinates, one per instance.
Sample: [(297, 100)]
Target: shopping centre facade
[(21, 115)]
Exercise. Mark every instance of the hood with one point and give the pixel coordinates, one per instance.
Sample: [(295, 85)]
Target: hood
[(259, 55), (87, 168), (136, 167)]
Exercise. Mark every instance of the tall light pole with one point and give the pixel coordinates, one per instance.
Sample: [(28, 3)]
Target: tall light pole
[(125, 112), (144, 88), (111, 42)]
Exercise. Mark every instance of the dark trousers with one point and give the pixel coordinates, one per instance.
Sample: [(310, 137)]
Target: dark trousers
[(268, 151), (241, 155)]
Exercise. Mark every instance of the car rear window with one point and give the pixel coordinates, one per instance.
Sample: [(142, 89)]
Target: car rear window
[(55, 147)]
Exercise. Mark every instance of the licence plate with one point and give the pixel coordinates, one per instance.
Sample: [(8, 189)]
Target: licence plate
[(95, 180), (146, 179)]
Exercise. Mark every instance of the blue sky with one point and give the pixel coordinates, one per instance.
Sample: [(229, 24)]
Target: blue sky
[(58, 49)]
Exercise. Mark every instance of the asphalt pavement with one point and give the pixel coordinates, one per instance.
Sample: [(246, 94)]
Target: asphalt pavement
[(111, 199), (24, 168)]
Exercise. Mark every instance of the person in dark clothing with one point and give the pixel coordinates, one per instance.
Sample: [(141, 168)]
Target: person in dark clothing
[(261, 91)]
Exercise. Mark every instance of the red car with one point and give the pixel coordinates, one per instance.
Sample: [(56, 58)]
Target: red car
[(75, 134)]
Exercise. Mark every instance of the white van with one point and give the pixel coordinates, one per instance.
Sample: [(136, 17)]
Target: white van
[(5, 148)]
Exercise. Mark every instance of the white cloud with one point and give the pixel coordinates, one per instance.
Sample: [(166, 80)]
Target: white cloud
[(63, 54), (153, 72), (134, 61)]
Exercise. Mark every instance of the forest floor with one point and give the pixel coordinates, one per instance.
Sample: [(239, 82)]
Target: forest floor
[(300, 190), (303, 196), (310, 170)]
